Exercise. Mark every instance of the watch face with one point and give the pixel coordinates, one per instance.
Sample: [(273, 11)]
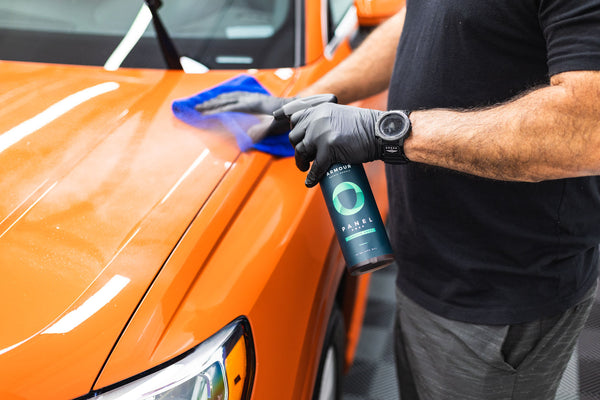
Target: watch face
[(393, 125)]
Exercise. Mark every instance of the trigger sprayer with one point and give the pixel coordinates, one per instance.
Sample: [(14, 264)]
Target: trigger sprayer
[(351, 205)]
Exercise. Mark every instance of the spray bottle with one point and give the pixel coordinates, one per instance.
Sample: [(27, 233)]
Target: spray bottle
[(351, 205)]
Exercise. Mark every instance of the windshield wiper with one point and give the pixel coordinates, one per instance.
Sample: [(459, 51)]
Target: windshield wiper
[(167, 47)]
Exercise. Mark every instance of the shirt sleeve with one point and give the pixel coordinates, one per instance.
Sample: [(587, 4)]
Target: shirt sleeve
[(572, 32)]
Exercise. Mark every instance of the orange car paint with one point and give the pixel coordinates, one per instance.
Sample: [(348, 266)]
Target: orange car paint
[(313, 24), (371, 13), (110, 204)]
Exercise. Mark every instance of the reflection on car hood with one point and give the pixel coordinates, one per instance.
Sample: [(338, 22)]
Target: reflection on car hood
[(99, 181)]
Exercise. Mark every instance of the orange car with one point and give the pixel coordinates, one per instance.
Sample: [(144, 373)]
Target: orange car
[(143, 258)]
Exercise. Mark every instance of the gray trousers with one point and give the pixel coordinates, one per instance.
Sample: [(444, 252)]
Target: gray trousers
[(441, 359)]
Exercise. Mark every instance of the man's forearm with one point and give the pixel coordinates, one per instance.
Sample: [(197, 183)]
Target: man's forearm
[(367, 71), (550, 133)]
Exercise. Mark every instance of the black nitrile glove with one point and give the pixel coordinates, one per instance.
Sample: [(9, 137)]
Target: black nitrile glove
[(251, 103), (240, 101), (332, 133)]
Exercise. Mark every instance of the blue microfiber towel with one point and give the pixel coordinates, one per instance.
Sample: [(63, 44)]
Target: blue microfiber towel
[(234, 122)]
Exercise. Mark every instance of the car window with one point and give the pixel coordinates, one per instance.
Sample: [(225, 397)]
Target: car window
[(217, 33), (337, 11)]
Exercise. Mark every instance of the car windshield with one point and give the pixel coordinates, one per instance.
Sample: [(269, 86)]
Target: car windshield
[(219, 34)]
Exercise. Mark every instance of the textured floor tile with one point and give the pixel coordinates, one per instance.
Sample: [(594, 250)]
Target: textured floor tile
[(372, 377)]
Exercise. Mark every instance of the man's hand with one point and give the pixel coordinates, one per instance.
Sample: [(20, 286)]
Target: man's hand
[(331, 133), (251, 103), (246, 102)]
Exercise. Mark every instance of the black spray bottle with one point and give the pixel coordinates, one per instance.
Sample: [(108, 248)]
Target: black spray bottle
[(352, 207)]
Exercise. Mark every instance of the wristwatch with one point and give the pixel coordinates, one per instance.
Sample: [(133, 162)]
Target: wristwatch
[(391, 129)]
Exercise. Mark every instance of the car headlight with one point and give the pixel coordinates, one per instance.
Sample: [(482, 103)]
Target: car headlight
[(220, 368)]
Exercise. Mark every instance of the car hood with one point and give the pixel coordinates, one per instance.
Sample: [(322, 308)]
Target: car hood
[(99, 181)]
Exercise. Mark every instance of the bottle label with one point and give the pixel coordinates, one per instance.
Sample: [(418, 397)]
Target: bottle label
[(358, 225), (358, 203)]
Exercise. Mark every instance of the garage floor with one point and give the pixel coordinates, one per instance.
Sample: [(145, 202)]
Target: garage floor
[(372, 377)]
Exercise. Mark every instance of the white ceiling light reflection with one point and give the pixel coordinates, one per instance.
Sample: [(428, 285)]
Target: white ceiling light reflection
[(91, 306), (191, 66), (192, 167), (284, 73), (135, 32), (53, 112)]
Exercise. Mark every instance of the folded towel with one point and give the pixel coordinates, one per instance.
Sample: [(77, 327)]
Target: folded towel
[(234, 122)]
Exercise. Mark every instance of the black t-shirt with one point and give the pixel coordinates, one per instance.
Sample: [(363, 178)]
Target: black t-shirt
[(475, 249)]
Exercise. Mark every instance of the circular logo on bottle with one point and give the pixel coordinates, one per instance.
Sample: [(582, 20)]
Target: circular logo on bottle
[(360, 198)]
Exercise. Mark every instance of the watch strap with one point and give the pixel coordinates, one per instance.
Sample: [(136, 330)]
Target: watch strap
[(392, 153)]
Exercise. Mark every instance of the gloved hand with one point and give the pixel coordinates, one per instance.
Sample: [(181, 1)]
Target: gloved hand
[(240, 101), (331, 133), (252, 103)]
